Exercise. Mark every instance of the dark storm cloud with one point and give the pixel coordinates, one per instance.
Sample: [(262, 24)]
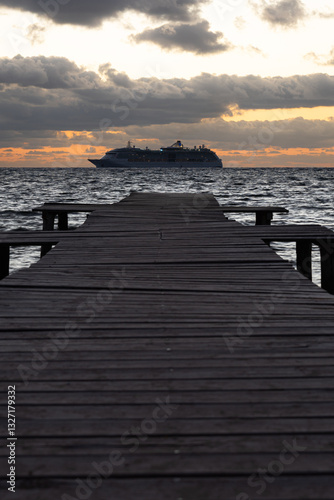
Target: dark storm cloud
[(117, 78), (93, 13), (55, 94), (186, 37), (45, 72), (284, 13), (293, 133), (254, 136)]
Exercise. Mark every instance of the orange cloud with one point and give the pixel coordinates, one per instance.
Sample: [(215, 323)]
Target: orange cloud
[(274, 157), (77, 154)]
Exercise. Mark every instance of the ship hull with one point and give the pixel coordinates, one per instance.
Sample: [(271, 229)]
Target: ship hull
[(104, 163)]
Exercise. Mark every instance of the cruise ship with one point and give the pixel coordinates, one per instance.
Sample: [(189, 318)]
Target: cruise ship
[(175, 155)]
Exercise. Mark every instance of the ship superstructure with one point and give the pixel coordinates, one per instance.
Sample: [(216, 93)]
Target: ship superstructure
[(175, 155)]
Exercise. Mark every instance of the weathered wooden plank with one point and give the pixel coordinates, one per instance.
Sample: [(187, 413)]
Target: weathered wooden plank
[(135, 398), (171, 463), (83, 412), (287, 487), (248, 443), (175, 425), (274, 384)]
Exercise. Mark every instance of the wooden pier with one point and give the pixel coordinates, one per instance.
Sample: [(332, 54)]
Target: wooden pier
[(163, 351)]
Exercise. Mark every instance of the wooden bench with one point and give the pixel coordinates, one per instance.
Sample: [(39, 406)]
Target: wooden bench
[(50, 211), (263, 215)]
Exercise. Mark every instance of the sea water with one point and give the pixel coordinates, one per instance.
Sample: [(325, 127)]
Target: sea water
[(306, 192)]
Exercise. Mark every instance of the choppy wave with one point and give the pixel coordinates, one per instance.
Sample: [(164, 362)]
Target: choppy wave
[(306, 193)]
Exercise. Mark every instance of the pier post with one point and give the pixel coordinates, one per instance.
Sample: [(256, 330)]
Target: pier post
[(48, 220), (63, 221), (48, 225), (263, 218), (45, 248), (327, 264), (4, 260), (304, 257)]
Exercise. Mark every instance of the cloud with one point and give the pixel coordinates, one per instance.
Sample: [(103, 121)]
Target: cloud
[(324, 15), (283, 13), (253, 136), (255, 50), (330, 60), (35, 33), (92, 14), (322, 60), (240, 22), (241, 137), (120, 79), (45, 72), (53, 93), (195, 38)]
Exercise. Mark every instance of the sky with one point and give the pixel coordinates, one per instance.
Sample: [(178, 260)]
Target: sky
[(252, 80)]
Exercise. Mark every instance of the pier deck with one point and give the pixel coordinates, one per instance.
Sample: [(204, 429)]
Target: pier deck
[(165, 352)]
